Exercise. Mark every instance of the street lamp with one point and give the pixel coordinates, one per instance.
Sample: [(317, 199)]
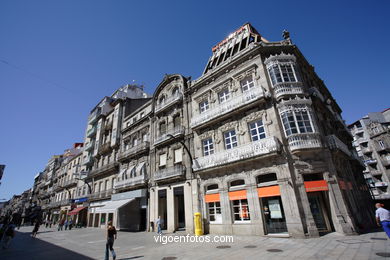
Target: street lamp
[(89, 187)]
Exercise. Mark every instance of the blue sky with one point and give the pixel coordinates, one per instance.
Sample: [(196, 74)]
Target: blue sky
[(59, 58)]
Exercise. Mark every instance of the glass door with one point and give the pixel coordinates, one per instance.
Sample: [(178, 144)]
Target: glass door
[(319, 212), (273, 215)]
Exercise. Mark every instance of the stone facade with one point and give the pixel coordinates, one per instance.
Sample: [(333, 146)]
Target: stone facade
[(371, 136)]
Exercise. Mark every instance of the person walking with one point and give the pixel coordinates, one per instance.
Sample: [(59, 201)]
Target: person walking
[(70, 224), (36, 228), (61, 224), (158, 224), (382, 216), (8, 235), (66, 224), (111, 236)]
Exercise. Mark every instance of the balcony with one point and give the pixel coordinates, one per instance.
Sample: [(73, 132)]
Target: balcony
[(335, 143), (91, 132), (133, 151), (171, 172), (284, 89), (246, 151), (175, 132), (106, 194), (94, 115), (375, 172), (88, 160), (111, 167), (135, 181), (57, 187), (69, 183), (169, 102), (88, 146), (304, 141), (370, 161), (232, 104), (385, 161), (366, 149), (105, 148)]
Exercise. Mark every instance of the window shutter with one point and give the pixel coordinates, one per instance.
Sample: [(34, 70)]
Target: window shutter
[(178, 155)]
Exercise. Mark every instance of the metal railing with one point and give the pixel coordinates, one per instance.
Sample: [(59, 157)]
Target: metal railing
[(103, 169), (141, 147), (177, 131), (137, 180), (335, 143), (175, 171), (250, 150), (233, 103), (101, 194)]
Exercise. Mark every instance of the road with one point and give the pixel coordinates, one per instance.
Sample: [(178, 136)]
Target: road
[(89, 243)]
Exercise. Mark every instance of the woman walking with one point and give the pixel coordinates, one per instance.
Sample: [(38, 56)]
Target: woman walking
[(36, 228), (111, 236)]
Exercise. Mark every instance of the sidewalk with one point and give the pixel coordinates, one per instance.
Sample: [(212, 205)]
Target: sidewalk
[(89, 243)]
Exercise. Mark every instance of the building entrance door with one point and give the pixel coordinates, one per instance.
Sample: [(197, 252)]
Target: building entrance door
[(179, 207), (319, 211), (162, 208), (273, 215)]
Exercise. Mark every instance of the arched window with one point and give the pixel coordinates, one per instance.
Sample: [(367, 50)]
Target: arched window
[(237, 183), (175, 91), (212, 187), (161, 100), (177, 121), (163, 128), (266, 178)]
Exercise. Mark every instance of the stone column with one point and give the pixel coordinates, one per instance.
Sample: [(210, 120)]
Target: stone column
[(188, 202), (170, 211), (255, 210)]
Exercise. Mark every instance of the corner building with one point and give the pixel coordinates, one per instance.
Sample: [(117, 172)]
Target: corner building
[(271, 152)]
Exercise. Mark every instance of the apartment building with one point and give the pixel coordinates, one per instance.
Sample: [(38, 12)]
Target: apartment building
[(271, 152), (371, 135), (102, 143)]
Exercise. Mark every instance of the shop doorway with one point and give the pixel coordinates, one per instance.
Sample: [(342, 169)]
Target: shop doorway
[(178, 193), (273, 215), (90, 220), (96, 221), (162, 208), (320, 211)]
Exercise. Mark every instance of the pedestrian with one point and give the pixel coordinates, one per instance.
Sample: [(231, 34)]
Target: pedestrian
[(8, 235), (66, 224), (36, 228), (70, 224), (60, 224), (158, 224), (111, 236), (383, 218), (46, 223), (50, 223)]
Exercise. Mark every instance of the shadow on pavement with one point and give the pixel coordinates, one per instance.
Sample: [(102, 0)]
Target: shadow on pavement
[(23, 246), (133, 257)]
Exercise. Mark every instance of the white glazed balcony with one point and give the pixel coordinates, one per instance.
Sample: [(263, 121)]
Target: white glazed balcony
[(221, 109), (335, 143), (304, 141), (91, 132), (175, 132), (289, 88), (137, 180), (89, 145), (170, 172), (168, 102), (141, 147), (250, 150)]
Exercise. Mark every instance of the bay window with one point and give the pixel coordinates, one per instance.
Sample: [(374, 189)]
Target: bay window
[(297, 122)]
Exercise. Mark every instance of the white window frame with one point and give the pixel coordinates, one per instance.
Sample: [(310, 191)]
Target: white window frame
[(204, 106), (230, 136), (224, 95), (213, 206), (178, 155), (240, 207), (162, 159), (295, 123), (247, 84), (208, 146), (258, 126), (276, 69)]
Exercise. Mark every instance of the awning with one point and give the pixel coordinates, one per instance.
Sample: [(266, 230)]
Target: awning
[(269, 191), (75, 211), (111, 206), (212, 197)]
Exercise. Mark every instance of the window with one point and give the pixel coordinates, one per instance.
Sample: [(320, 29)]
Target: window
[(265, 179), (178, 155), (133, 173), (177, 121), (203, 106), (175, 91), (208, 146), (106, 185), (163, 159), (162, 100), (224, 96), (246, 84), (135, 142), (240, 210), (282, 73), (163, 128), (297, 122), (256, 130), (145, 137), (381, 144), (214, 209), (230, 139)]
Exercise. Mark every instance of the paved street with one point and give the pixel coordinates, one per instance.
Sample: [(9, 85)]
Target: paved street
[(89, 244)]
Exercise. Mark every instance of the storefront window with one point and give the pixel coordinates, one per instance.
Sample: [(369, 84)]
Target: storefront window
[(214, 209), (240, 210), (274, 218)]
